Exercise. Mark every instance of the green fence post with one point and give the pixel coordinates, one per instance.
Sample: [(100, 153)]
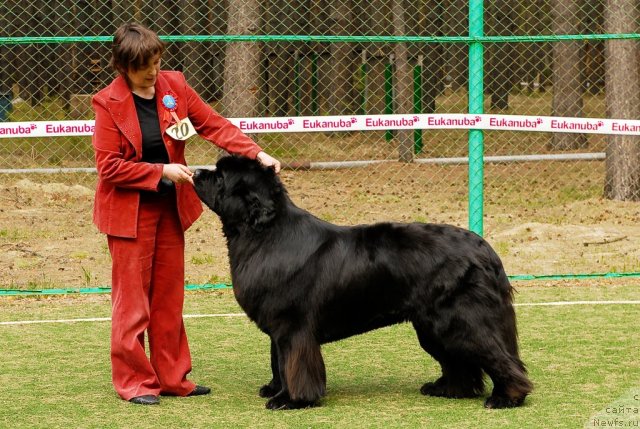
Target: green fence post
[(417, 103), (476, 106), (388, 93)]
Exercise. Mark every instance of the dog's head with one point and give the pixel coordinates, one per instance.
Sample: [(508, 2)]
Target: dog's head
[(241, 192)]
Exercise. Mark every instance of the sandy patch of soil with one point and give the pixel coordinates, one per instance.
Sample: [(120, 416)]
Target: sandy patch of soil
[(47, 238)]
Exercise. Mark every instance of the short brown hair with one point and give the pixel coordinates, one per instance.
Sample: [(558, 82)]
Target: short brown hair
[(133, 46)]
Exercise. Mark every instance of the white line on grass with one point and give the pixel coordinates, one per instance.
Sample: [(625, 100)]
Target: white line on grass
[(199, 316), (560, 303), (107, 319), (33, 322)]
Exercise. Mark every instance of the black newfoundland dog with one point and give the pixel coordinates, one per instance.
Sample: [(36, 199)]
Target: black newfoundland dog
[(306, 282)]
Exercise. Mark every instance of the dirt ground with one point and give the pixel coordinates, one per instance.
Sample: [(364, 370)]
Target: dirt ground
[(47, 239)]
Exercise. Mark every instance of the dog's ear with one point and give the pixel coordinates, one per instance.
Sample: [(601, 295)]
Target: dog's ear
[(261, 210)]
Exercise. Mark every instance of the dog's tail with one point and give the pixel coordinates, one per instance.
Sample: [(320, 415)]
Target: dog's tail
[(506, 290), (510, 333), (304, 369)]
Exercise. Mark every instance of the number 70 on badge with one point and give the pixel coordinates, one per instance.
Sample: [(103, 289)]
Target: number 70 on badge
[(182, 130)]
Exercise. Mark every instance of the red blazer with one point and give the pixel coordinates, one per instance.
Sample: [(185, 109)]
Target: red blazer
[(117, 142)]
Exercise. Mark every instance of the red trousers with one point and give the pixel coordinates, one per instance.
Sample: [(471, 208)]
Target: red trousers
[(148, 295)]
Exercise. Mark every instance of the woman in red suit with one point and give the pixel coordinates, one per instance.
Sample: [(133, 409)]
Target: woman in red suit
[(144, 202)]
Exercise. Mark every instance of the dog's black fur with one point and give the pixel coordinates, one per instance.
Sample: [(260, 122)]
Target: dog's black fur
[(306, 282)]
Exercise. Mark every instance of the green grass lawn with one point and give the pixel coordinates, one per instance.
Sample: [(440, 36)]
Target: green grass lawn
[(582, 358)]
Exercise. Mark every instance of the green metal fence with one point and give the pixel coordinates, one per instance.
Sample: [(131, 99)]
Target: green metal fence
[(561, 58)]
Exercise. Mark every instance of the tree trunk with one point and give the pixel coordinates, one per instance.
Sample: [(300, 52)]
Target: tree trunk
[(278, 19), (193, 17), (165, 18), (217, 25), (432, 83), (402, 82), (593, 18), (501, 56), (534, 57), (63, 63), (567, 82), (125, 10), (85, 72), (341, 100), (456, 23), (29, 57), (279, 80), (376, 18), (242, 62), (102, 52), (7, 58), (622, 83)]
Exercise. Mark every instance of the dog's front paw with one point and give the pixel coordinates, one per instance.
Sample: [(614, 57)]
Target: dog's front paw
[(444, 389), (282, 401), (269, 390), (436, 388), (503, 402)]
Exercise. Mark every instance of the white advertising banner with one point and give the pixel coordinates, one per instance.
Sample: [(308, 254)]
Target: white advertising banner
[(305, 124)]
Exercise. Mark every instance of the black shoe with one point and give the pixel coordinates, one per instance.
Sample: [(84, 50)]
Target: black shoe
[(200, 390), (145, 400)]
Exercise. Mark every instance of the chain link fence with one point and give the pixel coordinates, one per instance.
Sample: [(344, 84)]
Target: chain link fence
[(341, 57)]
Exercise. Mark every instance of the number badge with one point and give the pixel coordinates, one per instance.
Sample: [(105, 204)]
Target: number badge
[(182, 130)]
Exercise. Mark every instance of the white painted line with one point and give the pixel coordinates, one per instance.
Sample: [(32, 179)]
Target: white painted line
[(196, 316), (561, 303), (34, 322), (107, 319), (199, 316)]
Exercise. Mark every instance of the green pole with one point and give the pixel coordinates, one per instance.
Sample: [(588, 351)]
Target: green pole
[(417, 103), (314, 84), (476, 106), (388, 93)]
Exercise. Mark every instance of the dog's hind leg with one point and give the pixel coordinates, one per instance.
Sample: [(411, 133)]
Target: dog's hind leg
[(509, 375), (275, 385), (510, 383), (486, 347), (493, 344), (302, 373), (460, 378)]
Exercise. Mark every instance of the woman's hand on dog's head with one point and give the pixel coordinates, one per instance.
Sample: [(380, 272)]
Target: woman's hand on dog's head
[(268, 161)]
